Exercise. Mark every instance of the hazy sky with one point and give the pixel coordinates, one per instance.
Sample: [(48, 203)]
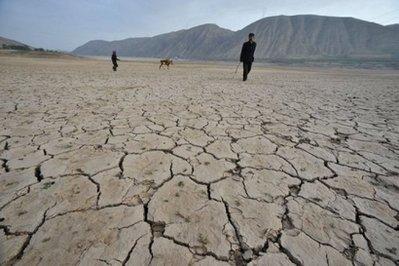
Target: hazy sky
[(66, 24)]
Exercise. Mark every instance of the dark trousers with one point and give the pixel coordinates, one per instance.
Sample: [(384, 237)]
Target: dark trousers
[(115, 65), (247, 68)]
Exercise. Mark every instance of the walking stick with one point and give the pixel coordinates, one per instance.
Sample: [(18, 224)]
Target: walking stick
[(236, 69)]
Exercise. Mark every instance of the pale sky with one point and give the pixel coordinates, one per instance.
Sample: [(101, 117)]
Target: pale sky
[(66, 24)]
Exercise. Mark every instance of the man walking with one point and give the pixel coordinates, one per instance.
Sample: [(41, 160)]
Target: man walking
[(114, 58), (247, 55)]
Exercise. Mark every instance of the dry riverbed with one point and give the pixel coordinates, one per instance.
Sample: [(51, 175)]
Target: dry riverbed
[(192, 166)]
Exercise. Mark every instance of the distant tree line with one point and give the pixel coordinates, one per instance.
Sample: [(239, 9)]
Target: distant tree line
[(25, 48), (16, 47)]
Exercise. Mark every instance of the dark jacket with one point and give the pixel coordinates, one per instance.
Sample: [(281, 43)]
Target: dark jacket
[(114, 58), (247, 52)]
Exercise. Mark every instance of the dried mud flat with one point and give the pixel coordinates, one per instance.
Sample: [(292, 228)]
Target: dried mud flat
[(193, 167)]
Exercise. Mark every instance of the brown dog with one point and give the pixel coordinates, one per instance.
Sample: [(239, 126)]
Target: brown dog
[(166, 62)]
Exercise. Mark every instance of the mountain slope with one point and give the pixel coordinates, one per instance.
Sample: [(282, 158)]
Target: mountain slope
[(393, 27), (6, 41), (191, 43), (309, 36), (302, 36)]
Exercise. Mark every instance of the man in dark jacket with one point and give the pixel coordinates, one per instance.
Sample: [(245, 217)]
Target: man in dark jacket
[(114, 58), (247, 54)]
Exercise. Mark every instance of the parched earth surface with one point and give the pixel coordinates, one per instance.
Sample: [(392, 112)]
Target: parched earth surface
[(194, 167)]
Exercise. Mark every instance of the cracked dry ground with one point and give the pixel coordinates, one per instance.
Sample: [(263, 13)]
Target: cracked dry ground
[(191, 167)]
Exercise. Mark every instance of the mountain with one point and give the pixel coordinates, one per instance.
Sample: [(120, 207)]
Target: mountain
[(191, 43), (393, 27), (279, 37), (9, 42), (309, 36)]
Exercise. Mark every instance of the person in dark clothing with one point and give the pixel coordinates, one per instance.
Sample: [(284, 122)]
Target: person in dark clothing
[(114, 58), (247, 55)]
